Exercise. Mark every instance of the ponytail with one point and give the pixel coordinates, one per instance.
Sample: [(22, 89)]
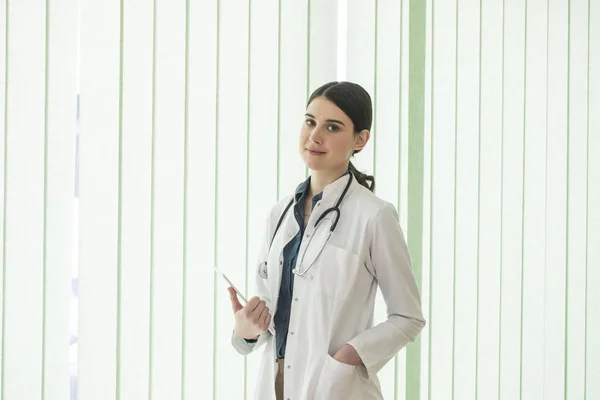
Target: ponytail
[(367, 181)]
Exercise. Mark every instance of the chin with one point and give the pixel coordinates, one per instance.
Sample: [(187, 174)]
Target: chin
[(316, 163), (313, 166)]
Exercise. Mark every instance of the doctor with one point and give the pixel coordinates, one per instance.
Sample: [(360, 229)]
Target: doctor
[(326, 249)]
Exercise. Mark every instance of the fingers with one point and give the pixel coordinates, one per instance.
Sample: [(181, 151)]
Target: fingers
[(235, 303), (255, 315), (261, 317), (266, 321), (253, 303)]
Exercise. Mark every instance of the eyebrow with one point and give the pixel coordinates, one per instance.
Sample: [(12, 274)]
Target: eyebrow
[(329, 120)]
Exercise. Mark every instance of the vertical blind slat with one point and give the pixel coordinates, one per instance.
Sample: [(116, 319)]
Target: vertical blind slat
[(442, 203), (322, 40), (386, 156), (556, 206), (512, 199), (99, 199), (576, 209), (466, 197), (534, 213), (200, 204), (231, 186), (3, 154), (360, 64), (60, 172), (488, 316), (592, 389), (166, 295), (262, 145), (24, 208), (136, 171), (293, 73)]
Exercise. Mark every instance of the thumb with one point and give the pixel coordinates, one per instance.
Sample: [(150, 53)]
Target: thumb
[(235, 303)]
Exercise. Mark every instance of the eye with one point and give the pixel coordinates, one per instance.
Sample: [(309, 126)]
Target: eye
[(333, 128), (310, 122)]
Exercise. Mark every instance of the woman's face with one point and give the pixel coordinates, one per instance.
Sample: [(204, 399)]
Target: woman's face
[(327, 138)]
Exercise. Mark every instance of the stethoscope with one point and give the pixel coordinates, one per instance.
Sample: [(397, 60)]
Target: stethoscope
[(335, 209)]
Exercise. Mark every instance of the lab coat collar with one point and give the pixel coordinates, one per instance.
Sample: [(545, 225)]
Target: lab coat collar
[(335, 188)]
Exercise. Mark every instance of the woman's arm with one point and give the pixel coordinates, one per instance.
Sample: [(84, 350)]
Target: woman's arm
[(244, 346), (390, 263)]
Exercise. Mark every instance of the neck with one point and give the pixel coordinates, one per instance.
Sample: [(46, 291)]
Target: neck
[(320, 179)]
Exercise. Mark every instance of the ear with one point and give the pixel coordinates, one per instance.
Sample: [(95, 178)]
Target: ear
[(362, 139)]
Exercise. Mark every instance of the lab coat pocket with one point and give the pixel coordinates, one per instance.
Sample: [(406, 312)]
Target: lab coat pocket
[(336, 272), (336, 380)]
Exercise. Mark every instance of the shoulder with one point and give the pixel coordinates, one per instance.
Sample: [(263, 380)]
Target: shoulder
[(373, 208), (378, 217), (275, 213), (279, 207)]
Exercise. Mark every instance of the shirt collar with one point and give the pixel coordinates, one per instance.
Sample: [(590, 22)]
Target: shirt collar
[(302, 190), (332, 188)]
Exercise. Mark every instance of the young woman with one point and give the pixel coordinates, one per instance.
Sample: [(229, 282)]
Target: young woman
[(327, 248)]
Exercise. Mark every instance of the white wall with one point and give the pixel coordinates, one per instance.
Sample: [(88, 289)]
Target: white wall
[(484, 138)]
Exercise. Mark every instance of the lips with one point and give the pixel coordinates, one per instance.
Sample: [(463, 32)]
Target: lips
[(315, 151)]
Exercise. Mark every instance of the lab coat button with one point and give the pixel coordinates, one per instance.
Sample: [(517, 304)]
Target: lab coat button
[(296, 299), (308, 235), (289, 366)]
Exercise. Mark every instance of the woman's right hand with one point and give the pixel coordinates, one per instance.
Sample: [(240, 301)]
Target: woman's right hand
[(251, 320)]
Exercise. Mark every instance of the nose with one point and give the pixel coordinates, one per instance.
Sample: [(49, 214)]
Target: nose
[(316, 135)]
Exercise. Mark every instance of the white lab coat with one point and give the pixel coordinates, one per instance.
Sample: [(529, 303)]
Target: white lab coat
[(333, 303)]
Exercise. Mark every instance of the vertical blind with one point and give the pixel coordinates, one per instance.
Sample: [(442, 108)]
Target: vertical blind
[(512, 191), (484, 137), (38, 66)]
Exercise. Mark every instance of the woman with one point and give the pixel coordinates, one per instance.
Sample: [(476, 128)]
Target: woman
[(317, 287)]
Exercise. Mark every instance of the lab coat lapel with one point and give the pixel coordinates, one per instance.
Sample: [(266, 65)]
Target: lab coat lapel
[(315, 237), (288, 229), (313, 242)]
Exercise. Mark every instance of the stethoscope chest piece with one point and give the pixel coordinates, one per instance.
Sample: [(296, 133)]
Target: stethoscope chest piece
[(263, 270)]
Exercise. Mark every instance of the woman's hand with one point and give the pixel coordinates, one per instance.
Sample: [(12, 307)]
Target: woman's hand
[(347, 355), (252, 319)]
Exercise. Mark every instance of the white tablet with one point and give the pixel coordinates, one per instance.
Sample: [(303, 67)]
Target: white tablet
[(240, 295)]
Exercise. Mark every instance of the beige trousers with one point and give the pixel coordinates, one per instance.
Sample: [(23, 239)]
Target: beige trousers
[(279, 379)]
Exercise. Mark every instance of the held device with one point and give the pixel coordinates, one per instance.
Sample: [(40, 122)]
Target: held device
[(240, 295), (222, 275)]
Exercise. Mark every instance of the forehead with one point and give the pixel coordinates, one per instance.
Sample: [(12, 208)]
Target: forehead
[(321, 108)]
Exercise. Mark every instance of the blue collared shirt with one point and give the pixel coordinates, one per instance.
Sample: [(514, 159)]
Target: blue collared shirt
[(290, 255)]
